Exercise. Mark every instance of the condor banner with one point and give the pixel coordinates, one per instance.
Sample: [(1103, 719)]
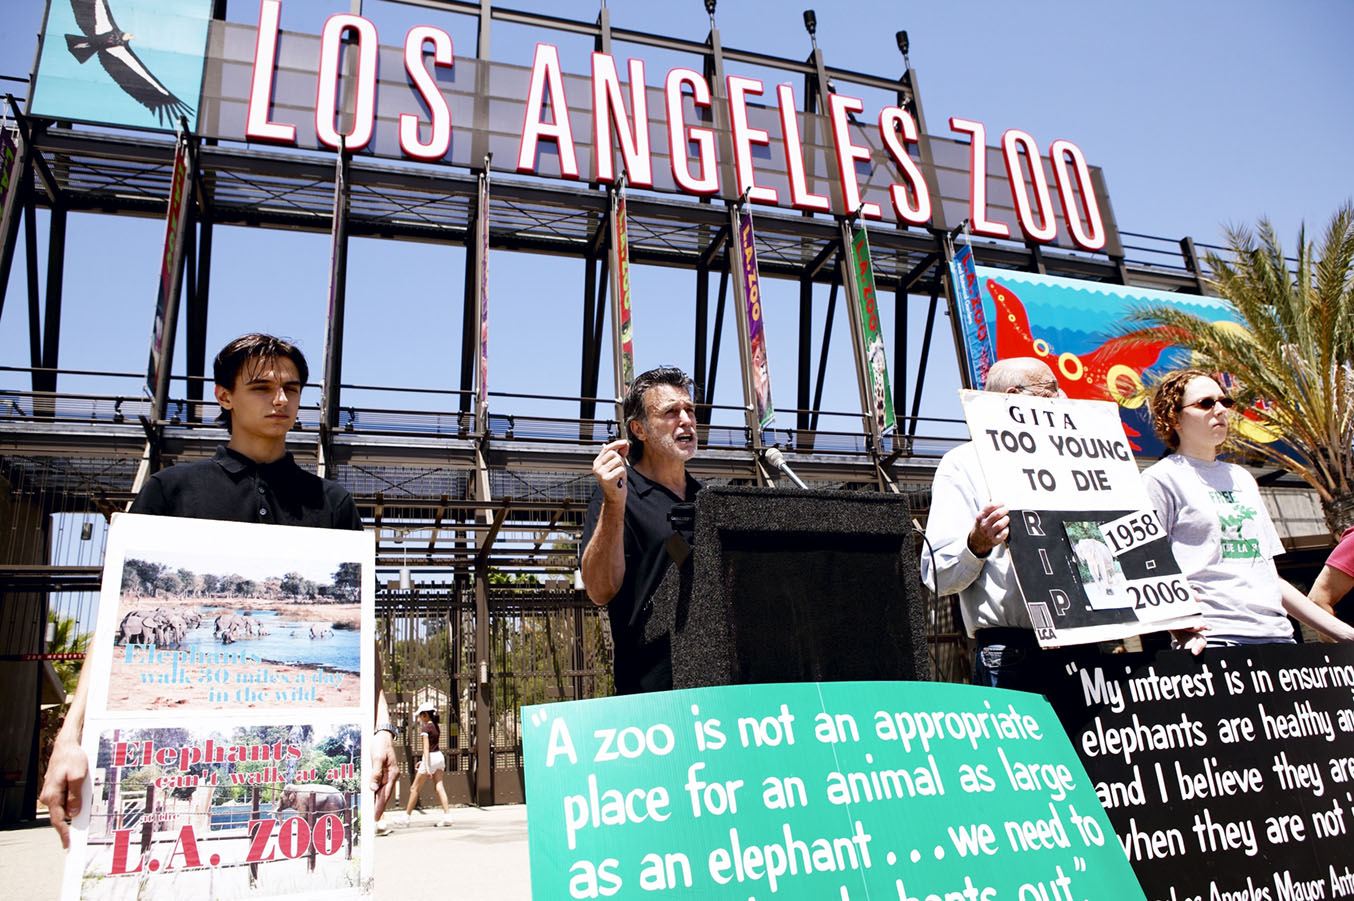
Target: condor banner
[(122, 62), (1090, 556), (227, 721), (835, 791), (1067, 322)]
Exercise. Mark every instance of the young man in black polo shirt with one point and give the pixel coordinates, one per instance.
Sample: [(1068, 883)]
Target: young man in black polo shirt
[(250, 479), (253, 478), (626, 530)]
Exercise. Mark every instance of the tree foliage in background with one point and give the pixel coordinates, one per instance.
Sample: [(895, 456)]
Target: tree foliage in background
[(1290, 364), (142, 578), (64, 640)]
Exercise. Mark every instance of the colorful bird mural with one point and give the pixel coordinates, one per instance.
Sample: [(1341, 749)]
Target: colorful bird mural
[(1102, 374)]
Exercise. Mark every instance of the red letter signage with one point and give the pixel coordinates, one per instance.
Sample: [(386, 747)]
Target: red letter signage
[(257, 126), (545, 76), (847, 154), (608, 107), (977, 196), (364, 109), (917, 210), (744, 136), (439, 131), (678, 134)]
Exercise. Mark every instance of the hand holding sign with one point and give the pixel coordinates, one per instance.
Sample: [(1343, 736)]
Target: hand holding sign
[(991, 528)]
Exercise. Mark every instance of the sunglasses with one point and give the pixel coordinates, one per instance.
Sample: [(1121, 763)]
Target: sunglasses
[(1207, 403)]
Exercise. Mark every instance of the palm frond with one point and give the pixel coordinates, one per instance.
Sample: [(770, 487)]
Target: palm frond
[(1291, 358)]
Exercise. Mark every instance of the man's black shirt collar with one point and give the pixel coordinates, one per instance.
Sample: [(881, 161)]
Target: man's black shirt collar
[(236, 463), (642, 484)]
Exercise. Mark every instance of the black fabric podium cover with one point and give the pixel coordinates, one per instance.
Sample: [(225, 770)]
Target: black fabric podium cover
[(786, 585)]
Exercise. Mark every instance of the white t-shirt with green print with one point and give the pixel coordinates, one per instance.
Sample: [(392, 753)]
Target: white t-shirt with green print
[(1225, 543)]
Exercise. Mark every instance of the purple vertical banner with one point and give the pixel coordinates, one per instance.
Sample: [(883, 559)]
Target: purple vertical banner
[(482, 248), (977, 338), (761, 374), (166, 301)]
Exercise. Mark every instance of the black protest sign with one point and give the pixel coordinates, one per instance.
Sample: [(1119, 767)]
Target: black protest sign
[(1228, 776)]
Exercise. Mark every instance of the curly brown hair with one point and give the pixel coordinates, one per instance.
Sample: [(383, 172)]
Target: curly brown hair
[(1165, 404)]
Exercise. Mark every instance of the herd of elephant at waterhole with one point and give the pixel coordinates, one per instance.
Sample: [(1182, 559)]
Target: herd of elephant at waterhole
[(166, 628)]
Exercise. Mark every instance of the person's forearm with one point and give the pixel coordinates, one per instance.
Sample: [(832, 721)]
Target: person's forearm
[(1331, 585), (73, 726), (603, 563), (1297, 604)]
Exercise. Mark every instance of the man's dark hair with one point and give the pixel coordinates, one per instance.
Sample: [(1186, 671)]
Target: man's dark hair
[(634, 408), (250, 350)]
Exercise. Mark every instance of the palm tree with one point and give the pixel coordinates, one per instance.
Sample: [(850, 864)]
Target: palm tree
[(1289, 363)]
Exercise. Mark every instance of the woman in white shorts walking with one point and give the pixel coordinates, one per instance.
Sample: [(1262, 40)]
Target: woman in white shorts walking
[(432, 763)]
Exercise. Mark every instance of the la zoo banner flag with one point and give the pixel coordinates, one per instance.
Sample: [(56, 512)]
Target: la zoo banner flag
[(171, 275), (230, 705), (973, 323), (482, 296), (875, 363), (1092, 560), (836, 791), (748, 281), (624, 346)]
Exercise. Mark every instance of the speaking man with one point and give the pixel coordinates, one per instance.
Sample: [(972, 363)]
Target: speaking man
[(640, 478), (966, 533), (251, 478)]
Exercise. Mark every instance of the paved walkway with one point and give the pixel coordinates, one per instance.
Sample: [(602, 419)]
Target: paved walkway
[(483, 857)]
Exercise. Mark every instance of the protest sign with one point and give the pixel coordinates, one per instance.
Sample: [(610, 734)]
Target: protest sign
[(1229, 776), (230, 700), (1091, 558), (844, 790)]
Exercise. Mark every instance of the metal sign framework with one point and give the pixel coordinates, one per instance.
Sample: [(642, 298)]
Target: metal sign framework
[(489, 489)]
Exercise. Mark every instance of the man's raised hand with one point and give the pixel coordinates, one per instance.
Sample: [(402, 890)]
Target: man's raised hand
[(609, 468)]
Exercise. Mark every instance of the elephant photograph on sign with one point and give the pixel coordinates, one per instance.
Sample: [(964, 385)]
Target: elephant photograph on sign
[(208, 794), (227, 632), (1100, 573)]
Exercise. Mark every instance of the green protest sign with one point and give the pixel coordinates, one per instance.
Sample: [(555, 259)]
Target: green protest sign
[(837, 791)]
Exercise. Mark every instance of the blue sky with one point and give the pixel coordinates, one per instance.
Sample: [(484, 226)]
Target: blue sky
[(1199, 113)]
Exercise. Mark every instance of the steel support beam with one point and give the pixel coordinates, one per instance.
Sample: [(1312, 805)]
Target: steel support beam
[(199, 293), (51, 326), (470, 329), (925, 356), (34, 304), (714, 343), (805, 351), (822, 354), (333, 345), (14, 207)]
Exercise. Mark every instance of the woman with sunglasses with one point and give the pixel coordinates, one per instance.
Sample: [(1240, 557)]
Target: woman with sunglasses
[(1220, 532)]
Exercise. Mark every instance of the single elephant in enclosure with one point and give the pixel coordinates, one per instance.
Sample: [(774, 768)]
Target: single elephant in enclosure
[(312, 799)]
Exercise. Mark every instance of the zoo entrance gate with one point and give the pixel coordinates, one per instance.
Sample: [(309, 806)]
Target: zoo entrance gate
[(544, 642)]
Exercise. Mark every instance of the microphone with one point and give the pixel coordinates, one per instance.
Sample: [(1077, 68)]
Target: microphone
[(777, 459)]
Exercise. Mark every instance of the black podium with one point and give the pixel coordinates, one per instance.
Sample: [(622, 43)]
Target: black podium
[(786, 585)]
